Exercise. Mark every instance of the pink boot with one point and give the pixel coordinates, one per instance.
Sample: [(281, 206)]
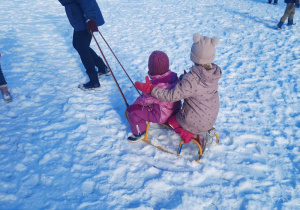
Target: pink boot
[(5, 93)]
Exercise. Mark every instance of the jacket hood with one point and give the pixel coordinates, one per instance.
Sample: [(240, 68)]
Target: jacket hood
[(168, 77), (207, 75)]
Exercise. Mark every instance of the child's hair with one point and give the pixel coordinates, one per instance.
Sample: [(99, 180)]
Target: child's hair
[(206, 66), (203, 49)]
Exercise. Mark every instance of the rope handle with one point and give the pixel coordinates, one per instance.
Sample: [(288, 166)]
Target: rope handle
[(109, 69), (118, 61)]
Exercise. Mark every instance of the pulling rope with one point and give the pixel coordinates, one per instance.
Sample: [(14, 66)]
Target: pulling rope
[(118, 61), (110, 70)]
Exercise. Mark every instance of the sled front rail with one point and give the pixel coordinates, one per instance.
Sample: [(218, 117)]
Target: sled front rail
[(209, 134)]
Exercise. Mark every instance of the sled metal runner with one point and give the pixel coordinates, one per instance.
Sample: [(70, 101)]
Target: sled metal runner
[(209, 134)]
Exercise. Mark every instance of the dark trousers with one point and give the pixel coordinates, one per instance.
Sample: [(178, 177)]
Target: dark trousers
[(89, 59), (289, 12), (2, 79)]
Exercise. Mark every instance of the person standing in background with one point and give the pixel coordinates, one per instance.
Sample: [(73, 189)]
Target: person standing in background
[(288, 13), (3, 86), (85, 17), (275, 2)]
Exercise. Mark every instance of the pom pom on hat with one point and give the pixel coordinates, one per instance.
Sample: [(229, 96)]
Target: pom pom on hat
[(158, 63), (214, 41), (203, 49), (196, 37)]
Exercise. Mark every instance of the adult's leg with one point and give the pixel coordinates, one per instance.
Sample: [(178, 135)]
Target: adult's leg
[(2, 79), (3, 87), (288, 10), (81, 42), (98, 61), (138, 116), (292, 13)]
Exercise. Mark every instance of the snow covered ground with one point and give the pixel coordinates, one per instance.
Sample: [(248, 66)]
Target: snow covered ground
[(62, 148)]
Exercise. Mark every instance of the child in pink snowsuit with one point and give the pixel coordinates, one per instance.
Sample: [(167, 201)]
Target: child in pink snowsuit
[(146, 108), (198, 88)]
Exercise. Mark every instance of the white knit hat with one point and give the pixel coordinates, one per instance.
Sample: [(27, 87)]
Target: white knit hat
[(203, 49)]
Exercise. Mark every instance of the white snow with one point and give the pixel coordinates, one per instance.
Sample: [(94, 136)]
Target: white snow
[(62, 148)]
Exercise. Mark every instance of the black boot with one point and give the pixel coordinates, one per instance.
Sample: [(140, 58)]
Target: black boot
[(136, 138), (106, 72), (90, 86), (290, 22), (279, 25)]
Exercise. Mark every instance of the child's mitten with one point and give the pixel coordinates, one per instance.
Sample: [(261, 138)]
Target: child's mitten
[(144, 87)]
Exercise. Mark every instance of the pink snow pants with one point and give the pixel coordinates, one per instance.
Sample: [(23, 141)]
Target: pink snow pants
[(184, 134), (138, 115)]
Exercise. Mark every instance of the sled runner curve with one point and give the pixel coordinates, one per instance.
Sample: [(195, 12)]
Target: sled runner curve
[(209, 137)]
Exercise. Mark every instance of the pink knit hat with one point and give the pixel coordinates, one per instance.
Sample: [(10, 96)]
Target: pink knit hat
[(203, 49), (158, 63)]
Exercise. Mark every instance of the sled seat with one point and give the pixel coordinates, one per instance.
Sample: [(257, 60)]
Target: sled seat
[(210, 134)]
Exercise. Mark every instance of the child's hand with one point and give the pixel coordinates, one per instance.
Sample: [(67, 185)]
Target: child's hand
[(144, 87)]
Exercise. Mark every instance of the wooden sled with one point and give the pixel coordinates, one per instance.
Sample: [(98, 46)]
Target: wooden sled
[(209, 136)]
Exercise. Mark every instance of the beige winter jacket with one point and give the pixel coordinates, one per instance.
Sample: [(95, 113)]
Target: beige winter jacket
[(199, 89)]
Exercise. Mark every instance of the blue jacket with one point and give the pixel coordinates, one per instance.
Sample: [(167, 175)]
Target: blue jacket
[(290, 1), (79, 11)]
